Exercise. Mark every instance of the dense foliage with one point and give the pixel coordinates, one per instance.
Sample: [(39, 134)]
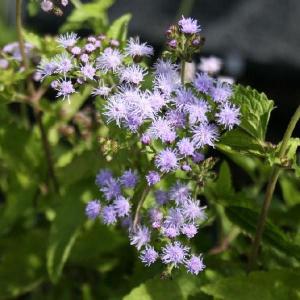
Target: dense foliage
[(101, 146)]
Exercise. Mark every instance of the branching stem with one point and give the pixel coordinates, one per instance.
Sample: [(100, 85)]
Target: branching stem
[(270, 190), (35, 96)]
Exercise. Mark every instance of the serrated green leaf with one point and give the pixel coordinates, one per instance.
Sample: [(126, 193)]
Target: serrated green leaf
[(118, 29), (179, 288), (272, 285), (255, 109), (247, 219), (240, 141)]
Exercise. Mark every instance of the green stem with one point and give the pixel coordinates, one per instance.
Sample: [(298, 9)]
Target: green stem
[(182, 71), (270, 189), (139, 207), (20, 33), (34, 96)]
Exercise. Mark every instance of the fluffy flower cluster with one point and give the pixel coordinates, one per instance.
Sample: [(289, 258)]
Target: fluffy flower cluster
[(174, 121), (94, 60), (172, 219)]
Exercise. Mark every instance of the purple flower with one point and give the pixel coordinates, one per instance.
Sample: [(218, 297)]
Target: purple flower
[(103, 177), (228, 116), (64, 2), (161, 197), (183, 97), (92, 209), (179, 193), (115, 109), (203, 83), (156, 217), (148, 256), (174, 219), (135, 48), (176, 118), (152, 178), (198, 157), (88, 71), (102, 90), (76, 50), (46, 68), (121, 206), (170, 232), (65, 89), (195, 264), (109, 215), (161, 128), (172, 43), (192, 211), (89, 47), (63, 63), (166, 160), (146, 138), (46, 5), (129, 179), (67, 40), (205, 134), (84, 57), (140, 237), (165, 67), (185, 147), (137, 102), (189, 25), (111, 189), (109, 60), (174, 253), (132, 74), (190, 230), (186, 167), (92, 39), (197, 112), (166, 83), (221, 92), (156, 100)]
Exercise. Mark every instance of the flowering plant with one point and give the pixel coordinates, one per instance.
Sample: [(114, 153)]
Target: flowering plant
[(157, 137)]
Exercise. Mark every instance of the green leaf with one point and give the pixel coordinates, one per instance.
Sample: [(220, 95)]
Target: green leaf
[(255, 109), (89, 15), (22, 266), (179, 288), (65, 228), (272, 285), (247, 219), (224, 181), (237, 140), (290, 190), (118, 29)]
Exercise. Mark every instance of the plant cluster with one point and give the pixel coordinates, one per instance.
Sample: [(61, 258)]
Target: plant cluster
[(167, 140)]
